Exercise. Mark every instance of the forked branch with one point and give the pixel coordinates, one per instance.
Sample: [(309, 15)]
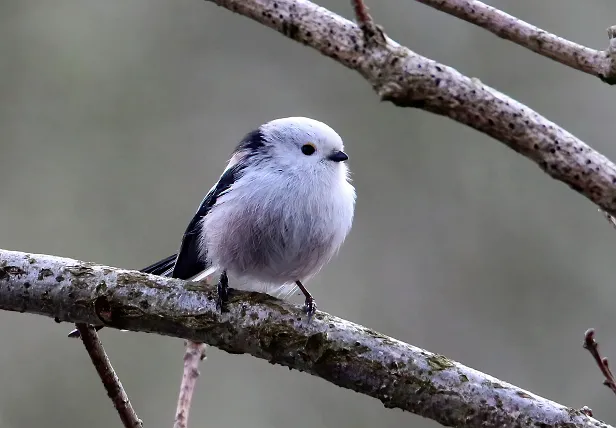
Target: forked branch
[(408, 79)]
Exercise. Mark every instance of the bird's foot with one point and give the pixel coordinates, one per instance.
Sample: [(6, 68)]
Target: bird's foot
[(310, 307), (223, 293)]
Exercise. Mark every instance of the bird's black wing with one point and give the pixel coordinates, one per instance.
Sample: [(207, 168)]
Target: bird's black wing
[(190, 261), (162, 267)]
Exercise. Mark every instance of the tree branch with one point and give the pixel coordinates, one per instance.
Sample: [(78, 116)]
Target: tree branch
[(110, 380), (407, 79), (601, 64), (341, 352), (591, 345), (195, 352)]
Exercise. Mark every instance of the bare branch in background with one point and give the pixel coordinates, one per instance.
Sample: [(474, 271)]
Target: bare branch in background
[(592, 346), (343, 353), (601, 64), (408, 79), (195, 353), (110, 380)]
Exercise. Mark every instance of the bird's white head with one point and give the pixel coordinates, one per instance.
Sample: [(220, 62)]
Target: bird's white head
[(303, 142)]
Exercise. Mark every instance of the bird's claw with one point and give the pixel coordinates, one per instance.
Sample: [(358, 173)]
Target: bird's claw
[(223, 294), (310, 307)]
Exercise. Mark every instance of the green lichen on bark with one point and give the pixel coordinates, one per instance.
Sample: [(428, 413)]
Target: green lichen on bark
[(136, 279), (343, 353), (439, 362)]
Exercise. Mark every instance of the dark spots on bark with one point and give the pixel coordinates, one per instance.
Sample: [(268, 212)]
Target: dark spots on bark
[(290, 30)]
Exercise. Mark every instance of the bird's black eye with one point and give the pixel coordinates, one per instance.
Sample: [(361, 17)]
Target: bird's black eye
[(308, 149)]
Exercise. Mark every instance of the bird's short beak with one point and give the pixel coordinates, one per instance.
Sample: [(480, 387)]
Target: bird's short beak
[(338, 156)]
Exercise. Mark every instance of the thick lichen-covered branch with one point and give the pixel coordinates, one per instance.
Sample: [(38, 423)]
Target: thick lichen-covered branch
[(408, 79), (339, 351)]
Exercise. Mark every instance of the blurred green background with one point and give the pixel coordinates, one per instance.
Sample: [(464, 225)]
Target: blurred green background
[(117, 116)]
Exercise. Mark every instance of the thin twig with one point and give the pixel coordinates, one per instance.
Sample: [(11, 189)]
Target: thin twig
[(372, 32), (592, 346), (361, 12), (594, 62), (110, 380), (195, 352), (608, 217)]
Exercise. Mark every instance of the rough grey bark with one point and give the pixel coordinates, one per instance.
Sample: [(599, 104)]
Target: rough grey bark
[(341, 352), (408, 79), (597, 63)]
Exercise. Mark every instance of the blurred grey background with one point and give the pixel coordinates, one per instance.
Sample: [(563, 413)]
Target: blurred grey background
[(117, 116)]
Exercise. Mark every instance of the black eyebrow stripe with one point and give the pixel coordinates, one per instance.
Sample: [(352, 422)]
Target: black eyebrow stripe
[(252, 142)]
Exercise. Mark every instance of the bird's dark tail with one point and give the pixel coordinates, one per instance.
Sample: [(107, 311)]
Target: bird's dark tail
[(162, 267)]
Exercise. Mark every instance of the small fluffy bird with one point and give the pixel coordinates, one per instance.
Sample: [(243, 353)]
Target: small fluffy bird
[(279, 212)]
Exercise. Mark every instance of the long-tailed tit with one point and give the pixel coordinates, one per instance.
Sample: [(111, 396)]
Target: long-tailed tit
[(279, 212)]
